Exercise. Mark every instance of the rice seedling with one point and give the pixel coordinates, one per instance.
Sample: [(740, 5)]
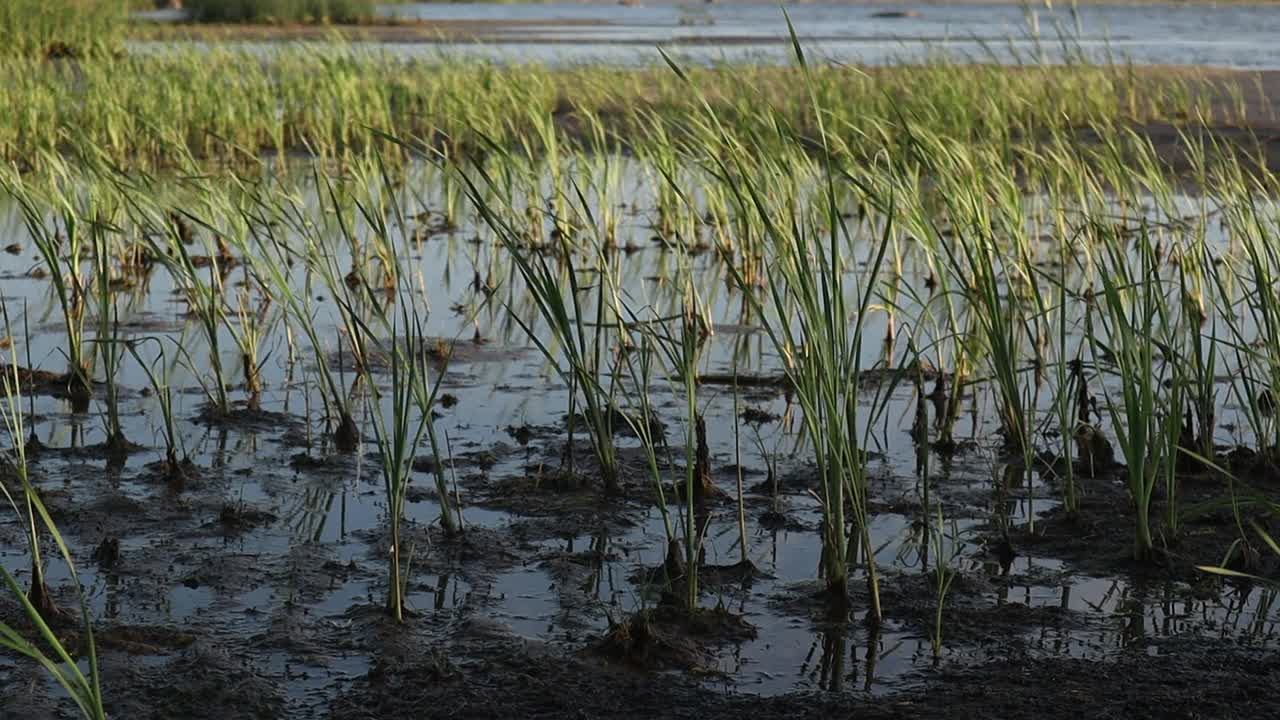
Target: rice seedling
[(681, 352), (947, 548), (108, 341), (661, 156), (951, 347), (606, 178), (270, 260), (558, 205), (252, 324), (973, 255), (398, 437), (822, 353), (176, 463), (39, 597), (204, 298), (639, 363), (1067, 375), (85, 689), (1258, 360), (1147, 426), (65, 279), (576, 356)]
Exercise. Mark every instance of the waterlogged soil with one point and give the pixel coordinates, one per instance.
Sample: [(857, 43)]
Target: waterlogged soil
[(1164, 679), (209, 603), (250, 581)]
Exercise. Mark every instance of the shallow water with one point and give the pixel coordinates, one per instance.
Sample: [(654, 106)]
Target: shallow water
[(228, 586)]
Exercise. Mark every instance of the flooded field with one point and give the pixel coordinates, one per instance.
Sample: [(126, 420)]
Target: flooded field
[(369, 387), (270, 547)]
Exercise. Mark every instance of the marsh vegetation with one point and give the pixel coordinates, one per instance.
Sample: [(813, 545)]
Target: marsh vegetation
[(802, 377)]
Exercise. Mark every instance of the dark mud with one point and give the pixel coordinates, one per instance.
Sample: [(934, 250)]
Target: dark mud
[(456, 663), (1166, 679), (1100, 537), (219, 599), (668, 638)]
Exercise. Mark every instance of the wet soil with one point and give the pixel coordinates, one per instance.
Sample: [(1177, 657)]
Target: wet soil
[(1166, 679), (1099, 538), (659, 662)]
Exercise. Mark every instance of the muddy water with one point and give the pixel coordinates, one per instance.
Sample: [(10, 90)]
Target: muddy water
[(289, 580)]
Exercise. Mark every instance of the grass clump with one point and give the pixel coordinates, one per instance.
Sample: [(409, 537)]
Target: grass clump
[(1145, 416), (61, 28), (133, 109), (398, 434), (62, 247), (281, 11)]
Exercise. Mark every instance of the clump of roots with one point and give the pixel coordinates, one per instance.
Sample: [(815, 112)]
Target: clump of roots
[(668, 637), (177, 473), (347, 436), (41, 598)]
